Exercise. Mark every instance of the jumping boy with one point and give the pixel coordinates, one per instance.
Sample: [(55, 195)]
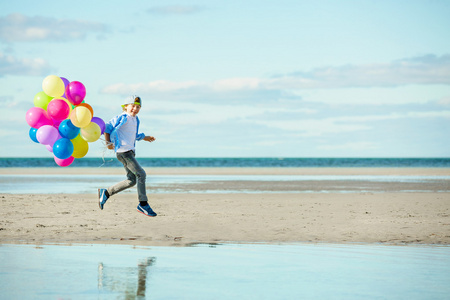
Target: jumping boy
[(121, 134)]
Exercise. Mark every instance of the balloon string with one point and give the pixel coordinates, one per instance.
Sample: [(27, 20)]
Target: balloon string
[(105, 149)]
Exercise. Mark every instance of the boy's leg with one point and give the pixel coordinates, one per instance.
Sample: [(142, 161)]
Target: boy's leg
[(127, 183), (135, 174)]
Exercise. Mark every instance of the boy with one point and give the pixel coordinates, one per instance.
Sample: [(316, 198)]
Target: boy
[(121, 134)]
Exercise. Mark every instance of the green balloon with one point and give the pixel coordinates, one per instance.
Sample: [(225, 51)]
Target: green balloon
[(41, 100)]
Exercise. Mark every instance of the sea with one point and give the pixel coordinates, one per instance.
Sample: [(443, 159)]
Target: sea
[(224, 162), (88, 183)]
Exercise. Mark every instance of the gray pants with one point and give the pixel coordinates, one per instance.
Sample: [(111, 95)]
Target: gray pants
[(135, 174)]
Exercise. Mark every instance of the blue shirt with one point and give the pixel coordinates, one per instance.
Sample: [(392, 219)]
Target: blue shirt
[(113, 128)]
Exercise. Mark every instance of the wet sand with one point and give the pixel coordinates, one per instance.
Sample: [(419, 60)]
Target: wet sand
[(389, 216)]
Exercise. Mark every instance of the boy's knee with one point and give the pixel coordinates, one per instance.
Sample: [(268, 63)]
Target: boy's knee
[(132, 182), (141, 175)]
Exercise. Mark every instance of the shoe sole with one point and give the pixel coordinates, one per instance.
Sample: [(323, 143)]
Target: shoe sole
[(99, 203), (145, 214)]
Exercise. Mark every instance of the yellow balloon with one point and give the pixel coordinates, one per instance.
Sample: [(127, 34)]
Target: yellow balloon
[(53, 86), (81, 116), (80, 147), (91, 133)]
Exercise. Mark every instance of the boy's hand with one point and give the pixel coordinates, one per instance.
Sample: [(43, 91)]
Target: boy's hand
[(110, 145), (149, 138)]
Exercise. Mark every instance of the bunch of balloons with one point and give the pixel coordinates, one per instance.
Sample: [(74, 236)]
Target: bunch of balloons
[(62, 121)]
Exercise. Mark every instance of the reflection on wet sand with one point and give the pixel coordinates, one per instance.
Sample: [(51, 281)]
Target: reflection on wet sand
[(226, 271), (123, 279)]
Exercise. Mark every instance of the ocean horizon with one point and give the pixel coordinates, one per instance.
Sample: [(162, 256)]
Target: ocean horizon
[(279, 162)]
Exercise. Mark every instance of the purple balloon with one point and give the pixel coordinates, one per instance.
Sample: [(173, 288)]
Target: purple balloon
[(75, 92), (47, 135), (100, 123), (66, 82)]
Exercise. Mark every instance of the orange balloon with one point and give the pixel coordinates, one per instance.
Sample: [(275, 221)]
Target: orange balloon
[(88, 106)]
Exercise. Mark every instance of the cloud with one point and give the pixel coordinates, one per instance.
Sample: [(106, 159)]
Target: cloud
[(444, 101), (344, 124), (153, 86), (175, 9), (351, 146), (181, 113), (10, 65), (20, 28), (429, 69)]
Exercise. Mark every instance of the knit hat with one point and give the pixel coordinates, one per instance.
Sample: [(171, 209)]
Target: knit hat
[(132, 100)]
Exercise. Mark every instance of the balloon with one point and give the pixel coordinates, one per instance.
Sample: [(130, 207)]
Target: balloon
[(62, 121), (37, 117), (80, 116), (66, 82), (80, 147), (63, 148), (75, 92), (91, 133), (56, 123), (68, 130), (32, 134), (67, 101), (58, 138), (41, 100), (100, 123), (47, 134), (58, 109), (64, 162), (53, 86), (88, 106)]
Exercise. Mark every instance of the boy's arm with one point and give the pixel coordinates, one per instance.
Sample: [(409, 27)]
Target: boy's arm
[(108, 141), (114, 122), (149, 138)]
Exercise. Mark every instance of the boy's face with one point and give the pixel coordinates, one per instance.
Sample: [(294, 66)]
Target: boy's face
[(132, 109)]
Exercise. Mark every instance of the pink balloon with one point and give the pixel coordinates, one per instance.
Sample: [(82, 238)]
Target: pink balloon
[(75, 92), (47, 135), (100, 123), (49, 148), (56, 123), (37, 117), (58, 109), (64, 162)]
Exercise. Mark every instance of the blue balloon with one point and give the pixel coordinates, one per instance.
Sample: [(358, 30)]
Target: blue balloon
[(63, 148), (68, 130), (32, 134)]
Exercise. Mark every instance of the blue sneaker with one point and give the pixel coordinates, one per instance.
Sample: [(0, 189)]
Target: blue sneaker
[(146, 210), (102, 197)]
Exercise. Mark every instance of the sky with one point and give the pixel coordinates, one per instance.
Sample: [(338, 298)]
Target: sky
[(239, 78)]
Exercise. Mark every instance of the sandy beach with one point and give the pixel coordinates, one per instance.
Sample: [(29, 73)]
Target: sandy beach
[(389, 216)]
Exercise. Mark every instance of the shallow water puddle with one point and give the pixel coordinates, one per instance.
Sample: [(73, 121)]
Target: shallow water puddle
[(256, 271), (80, 184)]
